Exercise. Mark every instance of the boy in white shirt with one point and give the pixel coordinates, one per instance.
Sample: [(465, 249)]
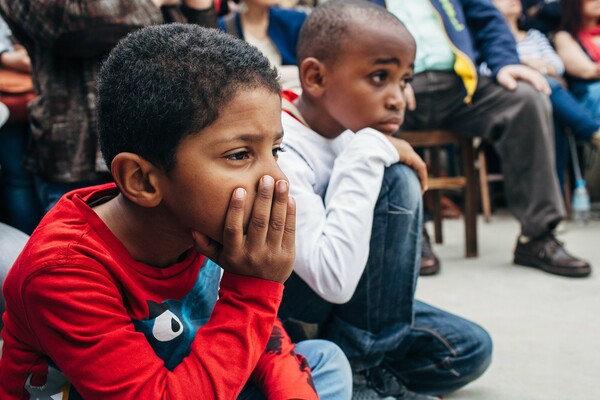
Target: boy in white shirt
[(359, 198)]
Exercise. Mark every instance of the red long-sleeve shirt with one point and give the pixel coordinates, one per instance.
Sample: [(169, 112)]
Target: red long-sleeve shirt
[(82, 314)]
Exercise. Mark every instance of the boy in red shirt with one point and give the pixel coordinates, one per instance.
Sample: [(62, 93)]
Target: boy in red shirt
[(111, 297)]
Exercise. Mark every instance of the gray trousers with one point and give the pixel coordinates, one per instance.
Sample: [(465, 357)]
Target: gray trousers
[(519, 125)]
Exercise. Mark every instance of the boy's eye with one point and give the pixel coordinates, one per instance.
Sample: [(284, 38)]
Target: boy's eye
[(241, 155), (406, 81), (278, 150), (379, 76)]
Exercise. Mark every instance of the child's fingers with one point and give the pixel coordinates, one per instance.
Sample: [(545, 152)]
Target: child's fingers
[(422, 173), (261, 212), (278, 214), (233, 230), (288, 241)]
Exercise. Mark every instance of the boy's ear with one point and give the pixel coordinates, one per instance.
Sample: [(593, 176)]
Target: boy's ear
[(313, 76), (137, 179)]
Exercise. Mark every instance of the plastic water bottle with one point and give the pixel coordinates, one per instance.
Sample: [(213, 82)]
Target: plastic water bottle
[(581, 203)]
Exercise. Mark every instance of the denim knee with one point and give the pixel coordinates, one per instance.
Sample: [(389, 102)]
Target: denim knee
[(480, 356), (469, 365), (330, 368), (402, 188)]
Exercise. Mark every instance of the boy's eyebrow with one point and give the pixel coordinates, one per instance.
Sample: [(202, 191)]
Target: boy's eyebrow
[(390, 60), (249, 137)]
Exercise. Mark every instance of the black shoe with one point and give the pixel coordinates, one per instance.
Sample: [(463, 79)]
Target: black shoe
[(549, 254), (380, 383), (430, 264)]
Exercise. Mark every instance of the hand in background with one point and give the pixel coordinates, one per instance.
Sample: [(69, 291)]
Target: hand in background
[(510, 74), (544, 67), (410, 98), (409, 156), (267, 249), (17, 59)]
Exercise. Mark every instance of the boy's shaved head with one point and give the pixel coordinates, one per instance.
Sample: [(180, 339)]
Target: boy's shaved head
[(330, 26)]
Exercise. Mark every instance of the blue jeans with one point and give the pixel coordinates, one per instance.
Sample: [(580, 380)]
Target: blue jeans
[(588, 94), (22, 207), (330, 371), (50, 192), (382, 323), (568, 112)]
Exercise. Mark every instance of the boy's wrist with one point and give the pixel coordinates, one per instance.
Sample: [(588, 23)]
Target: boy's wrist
[(249, 285)]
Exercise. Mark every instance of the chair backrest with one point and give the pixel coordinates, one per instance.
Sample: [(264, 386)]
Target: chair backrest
[(12, 242)]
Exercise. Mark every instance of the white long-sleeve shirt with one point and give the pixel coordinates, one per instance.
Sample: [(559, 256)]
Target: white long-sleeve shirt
[(336, 183)]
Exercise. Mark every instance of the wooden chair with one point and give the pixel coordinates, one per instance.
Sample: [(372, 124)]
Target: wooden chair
[(434, 140), (485, 179)]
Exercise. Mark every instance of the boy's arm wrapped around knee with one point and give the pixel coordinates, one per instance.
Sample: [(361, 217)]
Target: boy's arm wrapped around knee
[(281, 373)]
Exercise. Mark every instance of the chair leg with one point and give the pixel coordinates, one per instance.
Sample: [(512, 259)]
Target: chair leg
[(470, 199), (436, 195), (567, 194), (484, 185)]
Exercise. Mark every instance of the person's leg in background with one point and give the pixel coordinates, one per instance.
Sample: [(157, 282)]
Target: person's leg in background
[(50, 192), (562, 148), (519, 124), (21, 204), (567, 111)]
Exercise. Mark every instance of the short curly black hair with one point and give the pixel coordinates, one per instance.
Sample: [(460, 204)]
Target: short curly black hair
[(165, 82), (327, 28)]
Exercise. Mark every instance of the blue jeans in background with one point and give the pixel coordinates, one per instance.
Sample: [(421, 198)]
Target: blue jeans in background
[(21, 206), (568, 112), (588, 94), (50, 192), (432, 351)]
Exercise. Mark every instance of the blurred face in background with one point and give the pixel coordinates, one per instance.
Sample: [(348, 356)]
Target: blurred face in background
[(510, 8), (591, 9), (261, 3)]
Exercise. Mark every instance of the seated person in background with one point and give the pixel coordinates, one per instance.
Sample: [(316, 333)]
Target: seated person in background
[(359, 196), (109, 281), (541, 15), (536, 51), (577, 45), (67, 41), (506, 109), (273, 30), (19, 202)]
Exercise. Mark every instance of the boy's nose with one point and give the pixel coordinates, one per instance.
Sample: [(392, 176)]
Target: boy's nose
[(272, 169), (396, 101)]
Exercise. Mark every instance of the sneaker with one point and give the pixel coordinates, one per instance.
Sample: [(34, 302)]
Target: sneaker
[(380, 383), (430, 264), (361, 389), (548, 254)]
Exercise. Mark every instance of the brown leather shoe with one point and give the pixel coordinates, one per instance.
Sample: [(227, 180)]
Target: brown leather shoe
[(430, 264), (548, 254)]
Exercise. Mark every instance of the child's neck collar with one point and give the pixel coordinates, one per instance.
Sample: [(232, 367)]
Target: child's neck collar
[(289, 107)]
